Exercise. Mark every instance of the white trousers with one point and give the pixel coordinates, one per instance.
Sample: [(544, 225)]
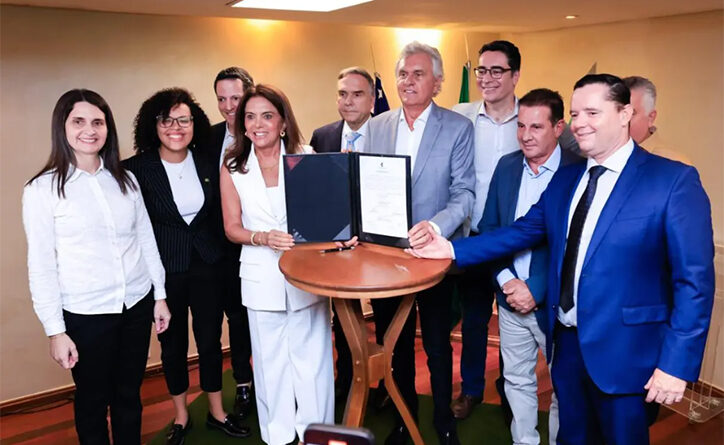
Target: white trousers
[(293, 370), (520, 339)]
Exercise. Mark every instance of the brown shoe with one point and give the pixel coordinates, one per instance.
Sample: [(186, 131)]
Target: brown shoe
[(463, 405)]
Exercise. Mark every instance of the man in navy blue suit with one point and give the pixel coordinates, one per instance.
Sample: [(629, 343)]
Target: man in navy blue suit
[(517, 183), (631, 273)]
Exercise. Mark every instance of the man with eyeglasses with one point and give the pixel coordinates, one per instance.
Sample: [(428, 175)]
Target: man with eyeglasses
[(495, 118), (230, 85)]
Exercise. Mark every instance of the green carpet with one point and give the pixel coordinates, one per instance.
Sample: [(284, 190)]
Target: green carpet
[(485, 425)]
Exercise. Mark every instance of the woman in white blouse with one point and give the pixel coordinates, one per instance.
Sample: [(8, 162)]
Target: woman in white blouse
[(174, 173), (94, 268), (290, 329)]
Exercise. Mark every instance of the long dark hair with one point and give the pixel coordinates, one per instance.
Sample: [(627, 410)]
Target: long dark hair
[(61, 153), (145, 135), (236, 158)]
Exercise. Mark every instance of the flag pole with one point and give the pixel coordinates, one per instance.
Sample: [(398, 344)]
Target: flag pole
[(374, 65)]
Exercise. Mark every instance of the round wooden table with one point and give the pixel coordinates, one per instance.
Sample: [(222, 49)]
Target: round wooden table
[(367, 271)]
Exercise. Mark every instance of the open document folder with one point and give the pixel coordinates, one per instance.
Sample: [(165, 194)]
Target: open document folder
[(335, 196)]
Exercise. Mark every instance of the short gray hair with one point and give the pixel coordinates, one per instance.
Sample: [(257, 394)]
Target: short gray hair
[(360, 72), (645, 85), (417, 48)]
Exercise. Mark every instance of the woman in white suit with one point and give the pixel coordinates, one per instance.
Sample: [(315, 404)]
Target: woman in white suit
[(290, 330)]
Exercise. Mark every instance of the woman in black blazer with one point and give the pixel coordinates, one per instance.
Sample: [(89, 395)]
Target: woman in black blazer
[(175, 180)]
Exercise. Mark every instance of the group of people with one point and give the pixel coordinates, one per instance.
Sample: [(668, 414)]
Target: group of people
[(621, 276)]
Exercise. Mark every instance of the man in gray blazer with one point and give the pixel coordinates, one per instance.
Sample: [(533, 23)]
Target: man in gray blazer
[(440, 145)]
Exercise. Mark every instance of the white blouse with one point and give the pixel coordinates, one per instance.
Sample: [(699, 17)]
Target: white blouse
[(185, 187), (91, 252)]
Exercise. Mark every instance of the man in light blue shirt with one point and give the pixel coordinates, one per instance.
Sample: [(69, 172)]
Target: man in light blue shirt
[(518, 182)]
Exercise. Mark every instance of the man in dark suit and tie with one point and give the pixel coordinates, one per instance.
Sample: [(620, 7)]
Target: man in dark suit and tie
[(229, 86), (631, 276), (440, 145), (517, 183), (355, 101)]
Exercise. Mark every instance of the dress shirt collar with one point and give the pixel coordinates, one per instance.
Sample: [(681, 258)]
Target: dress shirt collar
[(228, 133), (551, 164), (617, 161), (513, 115), (361, 130), (76, 172), (421, 118)]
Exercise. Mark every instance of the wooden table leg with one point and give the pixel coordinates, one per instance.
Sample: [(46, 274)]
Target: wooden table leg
[(352, 321), (391, 336)]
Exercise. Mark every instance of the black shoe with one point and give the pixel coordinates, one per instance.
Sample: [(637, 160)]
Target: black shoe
[(398, 436), (244, 401), (231, 425), (448, 438), (381, 399), (176, 434)]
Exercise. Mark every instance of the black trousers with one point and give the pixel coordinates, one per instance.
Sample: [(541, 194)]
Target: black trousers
[(435, 317), (199, 290), (112, 355), (238, 321)]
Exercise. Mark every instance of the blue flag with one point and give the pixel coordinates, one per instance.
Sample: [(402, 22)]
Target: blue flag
[(381, 104)]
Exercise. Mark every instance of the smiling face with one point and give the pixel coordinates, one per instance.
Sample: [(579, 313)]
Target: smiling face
[(496, 90), (599, 124), (263, 123), (354, 100), (537, 135), (416, 83), (85, 129), (175, 139), (229, 93)]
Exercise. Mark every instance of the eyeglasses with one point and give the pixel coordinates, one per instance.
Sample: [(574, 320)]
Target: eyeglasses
[(167, 121), (495, 72)]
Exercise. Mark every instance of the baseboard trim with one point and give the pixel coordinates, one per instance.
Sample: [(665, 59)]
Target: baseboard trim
[(36, 400)]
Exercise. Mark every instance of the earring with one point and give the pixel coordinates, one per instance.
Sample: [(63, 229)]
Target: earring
[(282, 133)]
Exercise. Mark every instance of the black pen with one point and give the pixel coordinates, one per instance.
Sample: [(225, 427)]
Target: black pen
[(336, 249)]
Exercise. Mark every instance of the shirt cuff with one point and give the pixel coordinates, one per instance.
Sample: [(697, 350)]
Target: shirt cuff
[(159, 293), (504, 276), (435, 227), (54, 327), (452, 250)]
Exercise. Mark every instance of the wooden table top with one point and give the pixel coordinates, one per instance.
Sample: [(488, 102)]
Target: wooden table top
[(367, 271)]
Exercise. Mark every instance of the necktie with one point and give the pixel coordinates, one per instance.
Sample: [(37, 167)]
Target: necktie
[(574, 238), (350, 138)]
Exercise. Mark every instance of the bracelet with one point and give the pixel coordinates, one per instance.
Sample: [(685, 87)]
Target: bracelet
[(253, 234)]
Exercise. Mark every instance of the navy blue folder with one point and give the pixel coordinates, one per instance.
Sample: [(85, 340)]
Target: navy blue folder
[(322, 198)]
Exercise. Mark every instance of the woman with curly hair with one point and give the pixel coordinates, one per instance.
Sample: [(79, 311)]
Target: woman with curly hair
[(94, 268), (290, 331), (174, 175)]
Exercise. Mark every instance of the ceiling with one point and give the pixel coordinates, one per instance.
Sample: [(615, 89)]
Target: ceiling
[(470, 15)]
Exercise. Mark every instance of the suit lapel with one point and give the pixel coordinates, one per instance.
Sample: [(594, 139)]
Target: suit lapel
[(158, 180), (427, 143), (623, 188), (513, 190), (335, 142)]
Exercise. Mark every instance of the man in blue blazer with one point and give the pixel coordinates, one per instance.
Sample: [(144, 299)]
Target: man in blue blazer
[(631, 277), (520, 281), (440, 145)]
